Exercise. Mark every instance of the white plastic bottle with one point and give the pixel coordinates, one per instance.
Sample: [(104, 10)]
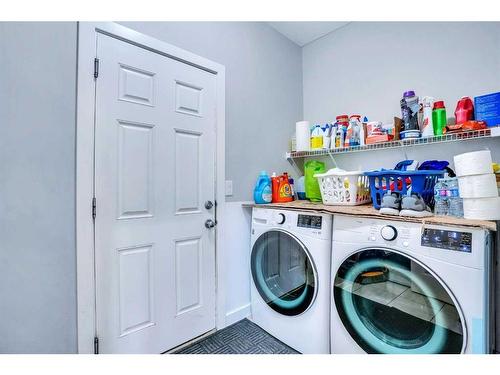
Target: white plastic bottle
[(426, 127)]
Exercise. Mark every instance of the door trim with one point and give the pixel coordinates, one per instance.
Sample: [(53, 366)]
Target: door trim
[(87, 47)]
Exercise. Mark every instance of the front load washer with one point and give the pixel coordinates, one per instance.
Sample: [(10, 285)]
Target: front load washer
[(290, 271), (401, 287)]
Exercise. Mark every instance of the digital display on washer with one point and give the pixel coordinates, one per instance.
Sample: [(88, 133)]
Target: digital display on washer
[(447, 239), (309, 221)]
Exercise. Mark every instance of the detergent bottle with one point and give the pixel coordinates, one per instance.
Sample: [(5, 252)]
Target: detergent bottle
[(464, 111), (262, 194), (275, 187), (284, 189), (316, 138)]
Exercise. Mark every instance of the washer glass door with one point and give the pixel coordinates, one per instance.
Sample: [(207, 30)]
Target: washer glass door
[(390, 303), (283, 272)]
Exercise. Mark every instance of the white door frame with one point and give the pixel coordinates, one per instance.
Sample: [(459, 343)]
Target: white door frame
[(87, 42)]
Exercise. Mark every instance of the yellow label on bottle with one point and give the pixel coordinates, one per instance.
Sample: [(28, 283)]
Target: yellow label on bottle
[(316, 142)]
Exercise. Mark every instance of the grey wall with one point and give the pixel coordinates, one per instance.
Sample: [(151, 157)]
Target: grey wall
[(263, 90), (37, 188), (365, 67), (37, 154)]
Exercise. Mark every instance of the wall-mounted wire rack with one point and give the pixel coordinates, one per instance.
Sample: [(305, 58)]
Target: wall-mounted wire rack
[(294, 157), (450, 137)]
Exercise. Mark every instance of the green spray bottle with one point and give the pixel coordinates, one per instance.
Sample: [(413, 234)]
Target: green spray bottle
[(439, 117)]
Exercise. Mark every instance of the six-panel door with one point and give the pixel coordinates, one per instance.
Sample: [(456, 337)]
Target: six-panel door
[(154, 169)]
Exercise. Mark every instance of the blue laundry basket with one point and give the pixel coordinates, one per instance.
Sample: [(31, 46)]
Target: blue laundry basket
[(421, 182)]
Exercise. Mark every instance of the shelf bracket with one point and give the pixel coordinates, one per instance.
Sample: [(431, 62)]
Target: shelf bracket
[(294, 165), (333, 159)]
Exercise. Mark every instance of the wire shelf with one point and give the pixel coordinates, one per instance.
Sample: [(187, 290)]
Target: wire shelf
[(451, 137)]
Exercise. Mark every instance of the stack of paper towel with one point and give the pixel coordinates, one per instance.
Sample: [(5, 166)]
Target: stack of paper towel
[(477, 184)]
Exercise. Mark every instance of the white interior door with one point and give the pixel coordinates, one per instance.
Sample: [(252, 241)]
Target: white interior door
[(154, 171)]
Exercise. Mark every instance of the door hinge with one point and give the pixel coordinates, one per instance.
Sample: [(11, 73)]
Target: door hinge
[(94, 208), (96, 68), (96, 345)]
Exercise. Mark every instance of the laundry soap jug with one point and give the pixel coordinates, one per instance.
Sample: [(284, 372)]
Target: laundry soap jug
[(313, 167), (282, 191), (262, 194)]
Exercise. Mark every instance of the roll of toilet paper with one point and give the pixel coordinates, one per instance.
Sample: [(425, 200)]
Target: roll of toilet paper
[(471, 163), (482, 208), (478, 186), (303, 135)]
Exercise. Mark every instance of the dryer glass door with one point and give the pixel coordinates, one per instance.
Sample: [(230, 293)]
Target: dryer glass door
[(390, 303), (283, 272)]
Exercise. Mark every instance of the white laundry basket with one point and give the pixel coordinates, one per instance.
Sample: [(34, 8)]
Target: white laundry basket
[(343, 188)]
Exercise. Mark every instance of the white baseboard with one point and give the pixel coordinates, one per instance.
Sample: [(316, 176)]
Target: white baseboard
[(238, 314)]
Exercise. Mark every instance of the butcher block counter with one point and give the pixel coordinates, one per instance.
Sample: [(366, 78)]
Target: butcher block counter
[(367, 211)]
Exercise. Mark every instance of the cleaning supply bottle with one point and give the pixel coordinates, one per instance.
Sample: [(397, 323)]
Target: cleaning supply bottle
[(275, 187), (409, 110), (427, 128), (464, 111), (326, 129), (355, 126), (262, 194), (439, 117), (284, 189), (292, 188), (339, 137), (301, 188), (316, 138), (362, 132), (333, 136)]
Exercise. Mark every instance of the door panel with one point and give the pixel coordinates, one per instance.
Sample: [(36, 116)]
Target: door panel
[(187, 179), (154, 168), (136, 294), (135, 169), (188, 258)]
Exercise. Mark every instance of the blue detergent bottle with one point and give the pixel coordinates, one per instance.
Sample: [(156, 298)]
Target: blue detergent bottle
[(262, 194)]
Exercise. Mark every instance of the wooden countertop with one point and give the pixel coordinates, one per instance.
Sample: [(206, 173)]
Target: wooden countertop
[(368, 211)]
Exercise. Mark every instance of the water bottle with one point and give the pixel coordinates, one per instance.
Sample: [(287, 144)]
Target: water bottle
[(455, 203), (440, 198)]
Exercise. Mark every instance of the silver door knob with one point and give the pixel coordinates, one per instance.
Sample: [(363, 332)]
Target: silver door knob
[(210, 223), (209, 205)]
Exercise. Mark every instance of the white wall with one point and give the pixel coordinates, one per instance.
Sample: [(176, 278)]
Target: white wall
[(37, 187), (237, 262), (263, 90), (365, 67)]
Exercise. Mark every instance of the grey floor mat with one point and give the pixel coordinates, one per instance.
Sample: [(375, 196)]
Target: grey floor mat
[(243, 337)]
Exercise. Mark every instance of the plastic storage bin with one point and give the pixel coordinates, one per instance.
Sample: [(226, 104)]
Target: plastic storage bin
[(421, 182), (343, 188)]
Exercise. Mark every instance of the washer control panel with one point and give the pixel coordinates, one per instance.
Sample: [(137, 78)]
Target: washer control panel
[(447, 239), (309, 221), (396, 234)]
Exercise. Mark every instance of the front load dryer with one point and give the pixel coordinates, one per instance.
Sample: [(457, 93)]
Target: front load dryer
[(402, 287), (290, 272)]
